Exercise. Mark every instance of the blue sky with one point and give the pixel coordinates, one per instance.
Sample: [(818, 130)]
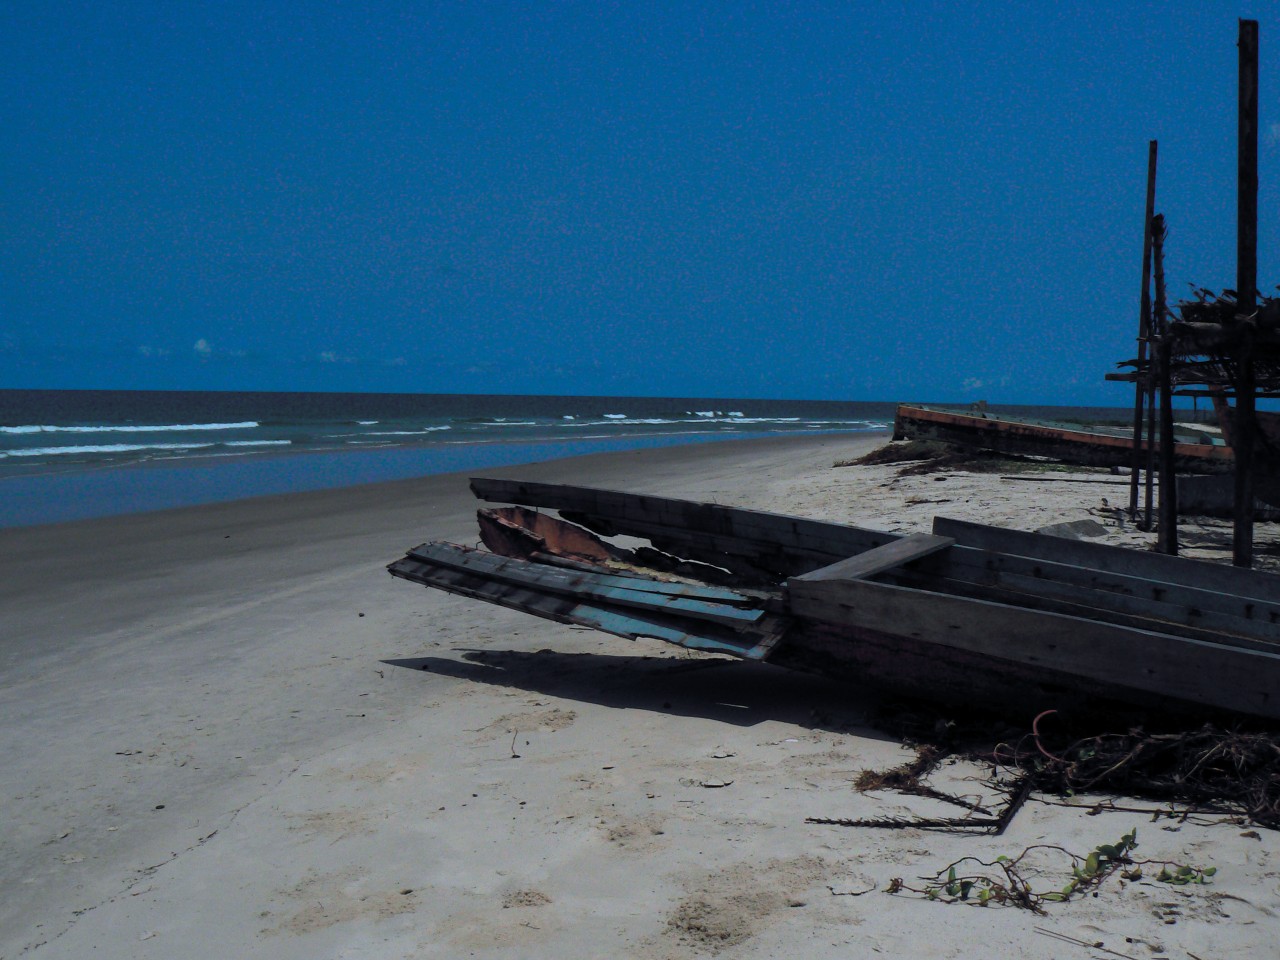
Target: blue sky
[(870, 201)]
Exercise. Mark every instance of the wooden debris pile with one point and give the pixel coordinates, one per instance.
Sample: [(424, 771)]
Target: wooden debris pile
[(1210, 335), (1207, 771), (923, 457)]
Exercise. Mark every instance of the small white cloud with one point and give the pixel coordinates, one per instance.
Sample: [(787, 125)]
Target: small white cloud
[(973, 383), (329, 356), (202, 349), (149, 351), (1272, 136)]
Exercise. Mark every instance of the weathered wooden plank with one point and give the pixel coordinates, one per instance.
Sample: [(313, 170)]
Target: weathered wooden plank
[(1070, 600), (1163, 615), (753, 644), (969, 681), (1176, 587), (617, 591), (1008, 435), (454, 555), (1099, 556), (1073, 606), (879, 559), (1190, 593), (751, 532), (1109, 593), (760, 553), (780, 531), (1202, 673)]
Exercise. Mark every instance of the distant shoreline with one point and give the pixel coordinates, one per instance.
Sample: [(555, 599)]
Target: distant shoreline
[(85, 492)]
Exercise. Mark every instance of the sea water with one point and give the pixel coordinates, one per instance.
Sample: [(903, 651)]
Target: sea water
[(74, 454)]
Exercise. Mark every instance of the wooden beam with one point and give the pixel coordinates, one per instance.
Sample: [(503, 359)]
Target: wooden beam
[(752, 644), (778, 531), (1204, 673), (1144, 332), (1243, 433), (1171, 617), (1247, 170), (1168, 525), (880, 559), (1101, 557), (1110, 598), (658, 596), (1246, 289)]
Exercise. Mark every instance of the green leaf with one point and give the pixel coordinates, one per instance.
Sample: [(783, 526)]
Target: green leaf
[(1209, 871)]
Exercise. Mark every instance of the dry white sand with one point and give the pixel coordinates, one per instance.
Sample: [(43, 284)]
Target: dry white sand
[(227, 732)]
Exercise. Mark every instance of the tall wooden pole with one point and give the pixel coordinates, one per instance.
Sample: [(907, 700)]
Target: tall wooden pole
[(1168, 537), (1244, 426), (1247, 171), (1144, 332)]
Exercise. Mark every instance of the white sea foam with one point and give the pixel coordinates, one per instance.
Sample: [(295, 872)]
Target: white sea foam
[(259, 443), (131, 428), (401, 433), (614, 416), (102, 448), (739, 418), (623, 423), (366, 423)]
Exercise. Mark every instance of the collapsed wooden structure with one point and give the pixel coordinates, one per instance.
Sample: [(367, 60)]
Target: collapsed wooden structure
[(969, 613), (1224, 346), (1194, 452)]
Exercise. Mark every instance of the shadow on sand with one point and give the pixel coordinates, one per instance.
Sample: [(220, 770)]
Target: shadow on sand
[(730, 691)]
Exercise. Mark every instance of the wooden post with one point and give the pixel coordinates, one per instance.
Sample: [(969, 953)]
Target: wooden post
[(1247, 171), (1168, 539), (1157, 330), (1242, 437), (1150, 515), (1246, 291), (1144, 331)]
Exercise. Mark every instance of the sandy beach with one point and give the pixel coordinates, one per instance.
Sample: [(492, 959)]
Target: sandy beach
[(226, 731)]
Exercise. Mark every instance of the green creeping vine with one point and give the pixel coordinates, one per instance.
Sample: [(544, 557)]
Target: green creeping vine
[(1001, 882)]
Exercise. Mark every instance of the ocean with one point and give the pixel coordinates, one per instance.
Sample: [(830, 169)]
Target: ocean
[(76, 454)]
